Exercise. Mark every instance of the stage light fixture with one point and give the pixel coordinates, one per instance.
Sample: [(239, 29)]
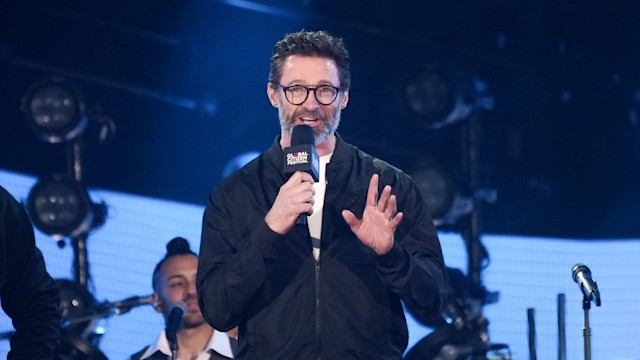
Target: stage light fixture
[(55, 110), (436, 96), (436, 186), (77, 307), (79, 317), (442, 195), (60, 206)]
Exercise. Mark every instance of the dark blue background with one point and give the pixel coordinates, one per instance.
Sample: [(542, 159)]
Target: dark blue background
[(185, 83)]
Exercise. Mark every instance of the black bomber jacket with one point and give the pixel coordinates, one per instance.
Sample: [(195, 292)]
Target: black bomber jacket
[(288, 306)]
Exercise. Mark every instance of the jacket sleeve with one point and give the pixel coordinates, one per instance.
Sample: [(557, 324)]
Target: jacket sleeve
[(414, 268), (30, 297), (231, 268)]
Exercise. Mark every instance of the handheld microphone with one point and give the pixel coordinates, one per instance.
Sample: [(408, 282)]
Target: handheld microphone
[(174, 322), (582, 276), (302, 156)]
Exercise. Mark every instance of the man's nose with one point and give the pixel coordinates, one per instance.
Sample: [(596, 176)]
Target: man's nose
[(190, 289), (311, 102)]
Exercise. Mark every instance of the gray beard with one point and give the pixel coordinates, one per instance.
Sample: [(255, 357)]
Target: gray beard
[(322, 134)]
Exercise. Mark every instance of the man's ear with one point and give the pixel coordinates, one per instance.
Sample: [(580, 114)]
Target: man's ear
[(157, 303), (344, 100), (273, 95)]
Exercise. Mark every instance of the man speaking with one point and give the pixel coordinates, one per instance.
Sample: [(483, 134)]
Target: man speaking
[(330, 288)]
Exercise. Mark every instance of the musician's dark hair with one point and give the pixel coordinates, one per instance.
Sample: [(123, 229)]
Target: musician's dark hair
[(176, 246)]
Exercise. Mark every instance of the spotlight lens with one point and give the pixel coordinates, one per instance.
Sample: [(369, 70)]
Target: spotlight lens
[(437, 96), (57, 205), (435, 190), (430, 95), (53, 107), (60, 206)]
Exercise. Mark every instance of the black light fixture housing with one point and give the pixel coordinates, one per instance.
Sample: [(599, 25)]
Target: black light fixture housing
[(60, 206), (54, 109), (436, 96), (436, 186), (77, 308)]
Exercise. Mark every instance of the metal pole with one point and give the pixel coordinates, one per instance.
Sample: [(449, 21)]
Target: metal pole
[(532, 333), (80, 263), (75, 159), (79, 243), (586, 332), (471, 164)]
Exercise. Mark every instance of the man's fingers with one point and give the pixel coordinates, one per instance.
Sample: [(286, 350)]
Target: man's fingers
[(294, 198), (304, 176), (383, 202), (302, 197), (299, 177), (372, 193), (395, 221), (349, 218), (298, 193), (391, 209)]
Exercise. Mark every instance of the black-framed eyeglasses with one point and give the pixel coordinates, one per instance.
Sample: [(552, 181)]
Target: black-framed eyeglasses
[(298, 94)]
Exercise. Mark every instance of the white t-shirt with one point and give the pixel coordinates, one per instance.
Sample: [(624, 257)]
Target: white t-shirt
[(315, 220)]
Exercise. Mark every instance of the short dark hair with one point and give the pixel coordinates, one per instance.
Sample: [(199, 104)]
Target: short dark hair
[(311, 43), (176, 246)]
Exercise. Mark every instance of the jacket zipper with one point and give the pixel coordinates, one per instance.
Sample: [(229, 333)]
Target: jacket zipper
[(318, 344)]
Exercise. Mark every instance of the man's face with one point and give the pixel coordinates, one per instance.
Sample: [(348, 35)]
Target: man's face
[(177, 282), (311, 72)]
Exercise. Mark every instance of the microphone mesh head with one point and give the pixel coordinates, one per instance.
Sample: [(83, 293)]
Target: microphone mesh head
[(577, 268), (181, 305), (302, 135)]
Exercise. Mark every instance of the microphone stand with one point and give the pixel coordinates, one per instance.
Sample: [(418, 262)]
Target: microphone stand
[(173, 345), (107, 309), (586, 305)]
